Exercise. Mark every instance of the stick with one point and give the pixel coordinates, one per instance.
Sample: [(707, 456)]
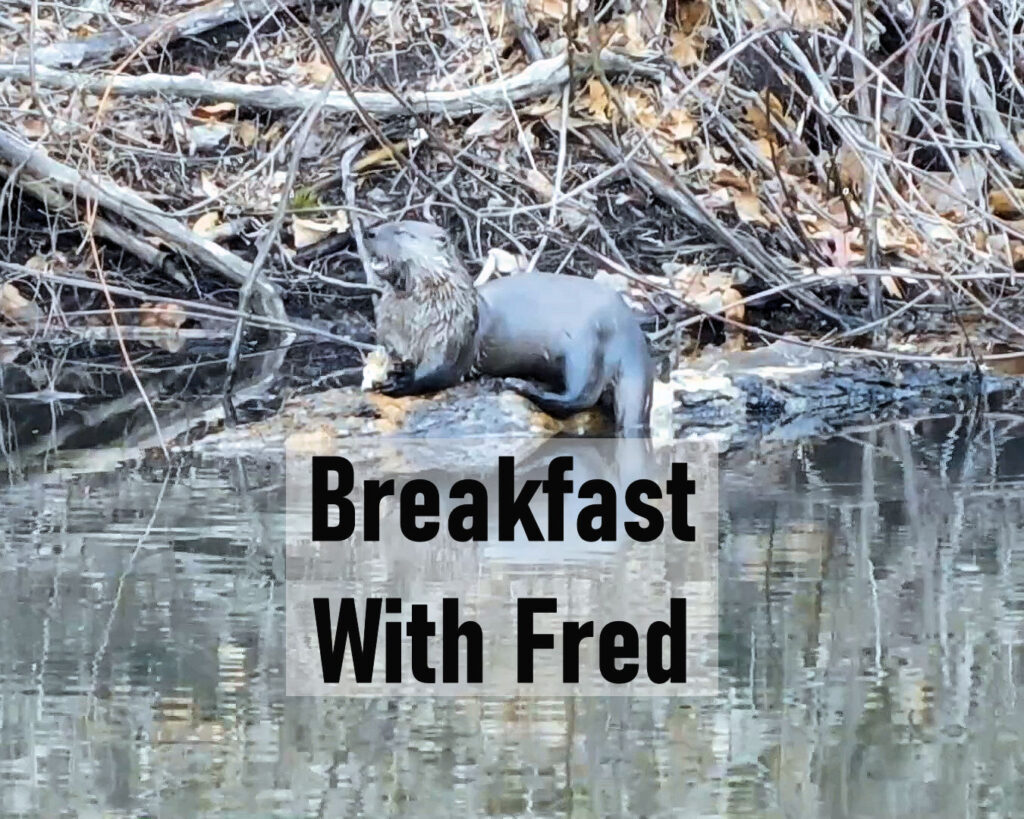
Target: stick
[(536, 80)]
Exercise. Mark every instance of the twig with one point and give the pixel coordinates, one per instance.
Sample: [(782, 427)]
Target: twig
[(516, 10), (271, 234)]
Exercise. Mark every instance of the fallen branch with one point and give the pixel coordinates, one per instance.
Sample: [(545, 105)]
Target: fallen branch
[(111, 43), (134, 208), (536, 80)]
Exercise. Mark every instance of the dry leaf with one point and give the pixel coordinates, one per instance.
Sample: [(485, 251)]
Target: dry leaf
[(808, 13), (274, 133), (679, 125), (308, 231), (1007, 203), (710, 291), (892, 287), (940, 233), (770, 151), (209, 187), (596, 101), (748, 208), (1017, 254), (634, 42), (840, 246), (893, 237), (217, 110), (315, 71), (851, 169), (167, 317), (674, 155), (729, 177), (686, 48), (380, 156), (489, 123), (206, 224), (639, 108), (33, 127), (541, 108), (247, 133), (15, 307), (550, 9), (732, 302), (757, 117), (539, 183)]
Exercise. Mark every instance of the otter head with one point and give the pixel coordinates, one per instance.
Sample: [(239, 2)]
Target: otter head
[(406, 252)]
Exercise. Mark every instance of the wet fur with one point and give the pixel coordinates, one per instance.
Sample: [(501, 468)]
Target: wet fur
[(427, 315)]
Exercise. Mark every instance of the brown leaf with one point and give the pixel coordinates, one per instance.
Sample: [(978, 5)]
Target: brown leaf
[(207, 224), (809, 13), (748, 208), (161, 314), (489, 123), (217, 110), (550, 9), (247, 133), (315, 71), (731, 298), (595, 100), (679, 125), (539, 183), (33, 127), (309, 231), (167, 317), (892, 287), (17, 308), (686, 48), (1007, 203)]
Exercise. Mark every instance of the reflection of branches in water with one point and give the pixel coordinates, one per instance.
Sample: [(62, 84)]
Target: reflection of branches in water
[(892, 600), (108, 410), (115, 605)]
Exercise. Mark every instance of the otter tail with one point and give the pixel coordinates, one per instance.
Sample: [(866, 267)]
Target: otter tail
[(633, 386)]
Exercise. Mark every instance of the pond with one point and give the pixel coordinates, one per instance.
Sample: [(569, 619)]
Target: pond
[(871, 654)]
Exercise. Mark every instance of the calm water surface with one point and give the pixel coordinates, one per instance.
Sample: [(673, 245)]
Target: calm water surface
[(871, 651)]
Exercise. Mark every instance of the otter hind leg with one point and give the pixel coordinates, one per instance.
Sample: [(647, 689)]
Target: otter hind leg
[(584, 383)]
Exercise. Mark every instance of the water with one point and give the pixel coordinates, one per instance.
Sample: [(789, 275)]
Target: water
[(871, 652)]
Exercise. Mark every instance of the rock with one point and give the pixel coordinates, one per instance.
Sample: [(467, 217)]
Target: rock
[(472, 409)]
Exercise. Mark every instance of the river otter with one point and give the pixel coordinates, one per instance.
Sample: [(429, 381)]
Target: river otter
[(574, 335)]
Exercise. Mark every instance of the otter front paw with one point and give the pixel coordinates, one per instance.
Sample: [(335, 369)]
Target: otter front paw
[(400, 380)]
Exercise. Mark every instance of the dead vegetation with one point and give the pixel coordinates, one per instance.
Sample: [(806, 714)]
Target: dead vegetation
[(184, 182)]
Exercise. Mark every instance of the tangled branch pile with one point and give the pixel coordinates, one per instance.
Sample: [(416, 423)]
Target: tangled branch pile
[(851, 171)]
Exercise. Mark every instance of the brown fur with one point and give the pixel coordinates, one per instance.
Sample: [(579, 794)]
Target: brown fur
[(427, 316)]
